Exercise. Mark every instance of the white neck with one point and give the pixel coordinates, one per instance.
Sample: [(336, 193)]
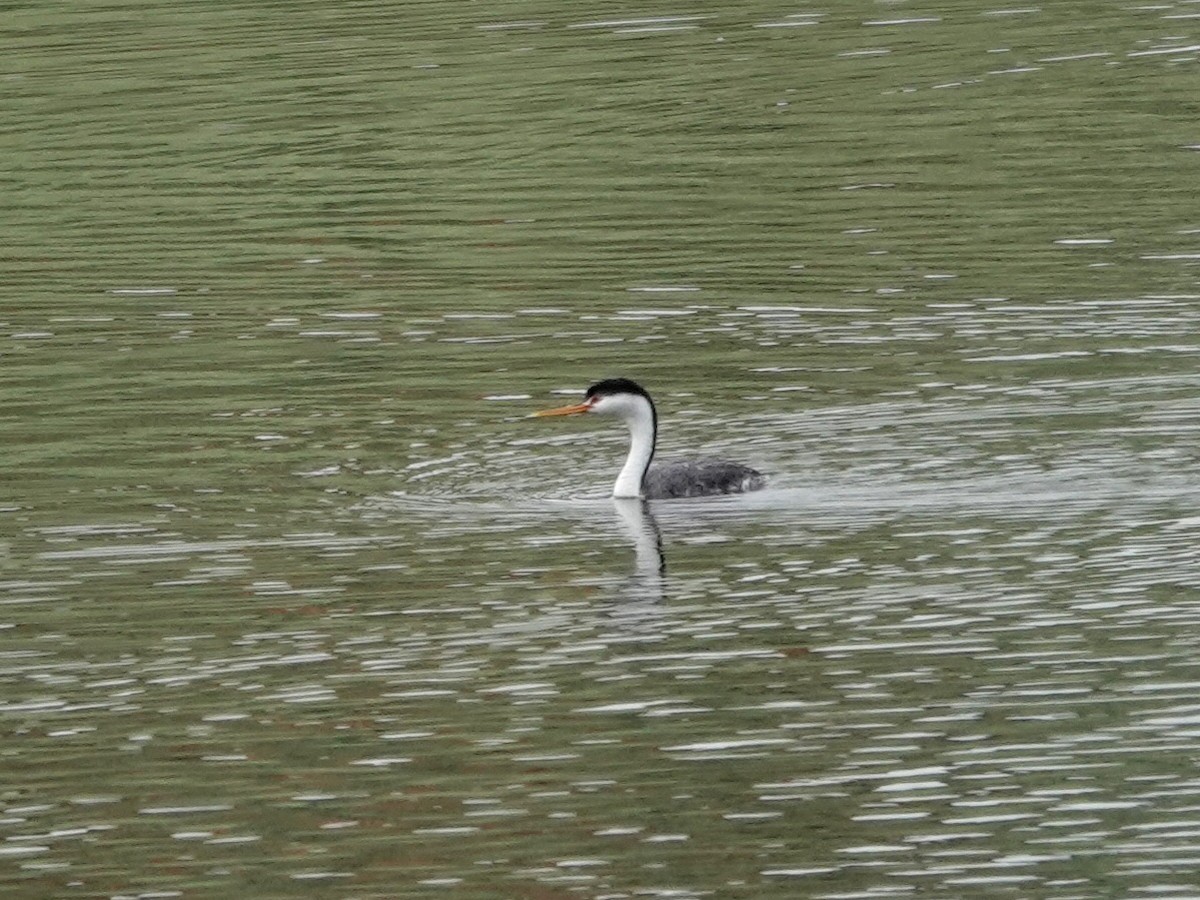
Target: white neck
[(639, 417)]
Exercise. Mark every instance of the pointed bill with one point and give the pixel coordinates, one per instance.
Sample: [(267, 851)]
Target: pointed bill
[(572, 410)]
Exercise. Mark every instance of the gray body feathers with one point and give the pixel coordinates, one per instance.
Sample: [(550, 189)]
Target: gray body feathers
[(700, 478)]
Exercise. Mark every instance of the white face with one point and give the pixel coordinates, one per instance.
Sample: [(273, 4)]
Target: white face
[(624, 406)]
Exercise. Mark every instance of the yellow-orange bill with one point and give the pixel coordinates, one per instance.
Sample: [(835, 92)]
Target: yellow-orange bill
[(572, 410)]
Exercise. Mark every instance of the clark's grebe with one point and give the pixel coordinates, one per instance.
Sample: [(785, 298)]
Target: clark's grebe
[(629, 401)]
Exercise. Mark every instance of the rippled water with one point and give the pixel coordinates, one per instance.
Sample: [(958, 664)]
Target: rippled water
[(296, 600)]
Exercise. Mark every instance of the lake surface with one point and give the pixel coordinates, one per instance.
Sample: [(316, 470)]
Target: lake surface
[(296, 601)]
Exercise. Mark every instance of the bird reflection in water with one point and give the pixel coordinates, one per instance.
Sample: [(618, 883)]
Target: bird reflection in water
[(647, 583)]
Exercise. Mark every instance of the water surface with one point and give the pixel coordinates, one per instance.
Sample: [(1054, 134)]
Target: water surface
[(296, 601)]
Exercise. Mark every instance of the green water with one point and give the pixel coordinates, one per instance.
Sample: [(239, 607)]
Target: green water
[(294, 601)]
